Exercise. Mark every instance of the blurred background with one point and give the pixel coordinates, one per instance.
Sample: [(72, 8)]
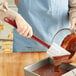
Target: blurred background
[(6, 32)]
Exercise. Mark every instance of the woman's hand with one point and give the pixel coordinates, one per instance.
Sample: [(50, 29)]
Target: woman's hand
[(23, 27), (73, 22)]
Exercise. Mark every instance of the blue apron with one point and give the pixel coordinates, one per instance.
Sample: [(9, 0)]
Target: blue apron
[(46, 17)]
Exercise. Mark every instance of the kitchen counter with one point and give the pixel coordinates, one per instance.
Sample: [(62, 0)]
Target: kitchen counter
[(13, 64)]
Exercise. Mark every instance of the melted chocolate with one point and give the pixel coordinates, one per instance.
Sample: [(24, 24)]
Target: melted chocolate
[(69, 43), (48, 70)]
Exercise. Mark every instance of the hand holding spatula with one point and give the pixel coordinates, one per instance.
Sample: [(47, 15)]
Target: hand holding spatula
[(53, 50)]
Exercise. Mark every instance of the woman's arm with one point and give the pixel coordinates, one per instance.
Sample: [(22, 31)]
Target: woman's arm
[(23, 27), (72, 13)]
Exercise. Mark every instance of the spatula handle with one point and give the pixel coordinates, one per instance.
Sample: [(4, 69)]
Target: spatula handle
[(13, 23)]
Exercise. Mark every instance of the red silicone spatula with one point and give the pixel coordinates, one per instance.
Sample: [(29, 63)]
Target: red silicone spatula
[(8, 20), (53, 50)]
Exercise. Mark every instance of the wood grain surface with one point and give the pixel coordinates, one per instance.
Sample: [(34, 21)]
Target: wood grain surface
[(12, 64)]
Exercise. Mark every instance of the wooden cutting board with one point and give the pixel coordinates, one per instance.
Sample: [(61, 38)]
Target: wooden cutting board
[(12, 64)]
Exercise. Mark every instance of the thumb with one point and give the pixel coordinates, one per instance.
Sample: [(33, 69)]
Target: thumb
[(73, 23), (17, 21)]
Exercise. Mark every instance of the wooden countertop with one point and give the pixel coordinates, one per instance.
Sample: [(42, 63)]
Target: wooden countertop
[(13, 64)]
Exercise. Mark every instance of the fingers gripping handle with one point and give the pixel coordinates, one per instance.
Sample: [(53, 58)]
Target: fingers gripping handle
[(13, 23)]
